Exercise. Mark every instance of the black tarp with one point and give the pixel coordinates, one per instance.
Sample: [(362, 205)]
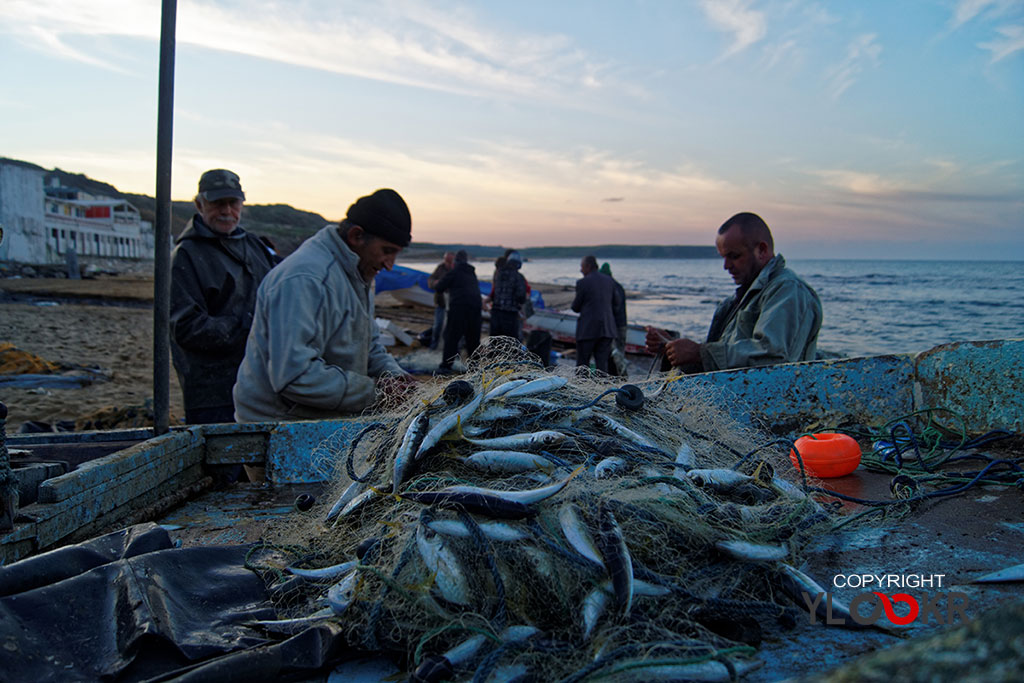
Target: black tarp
[(128, 606)]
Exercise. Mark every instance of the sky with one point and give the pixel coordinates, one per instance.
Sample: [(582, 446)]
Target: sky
[(868, 129)]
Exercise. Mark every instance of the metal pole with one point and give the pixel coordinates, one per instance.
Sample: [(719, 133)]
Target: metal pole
[(162, 257)]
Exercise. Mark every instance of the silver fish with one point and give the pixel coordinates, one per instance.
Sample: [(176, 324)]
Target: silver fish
[(753, 552), (596, 601), (538, 386), (492, 529), (503, 389), (445, 424), (353, 490), (719, 478), (414, 435), (608, 467), (646, 670), (509, 461), (797, 584), (541, 439), (624, 431), (527, 497), (617, 560), (341, 595), (686, 458), (577, 534), (441, 561), (358, 502), (323, 573), (496, 412)]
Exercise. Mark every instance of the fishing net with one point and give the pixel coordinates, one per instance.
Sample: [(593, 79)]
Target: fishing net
[(518, 519)]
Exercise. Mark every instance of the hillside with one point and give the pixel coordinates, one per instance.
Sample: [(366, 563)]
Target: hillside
[(288, 227)]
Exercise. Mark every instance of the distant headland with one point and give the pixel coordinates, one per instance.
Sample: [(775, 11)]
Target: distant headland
[(289, 227)]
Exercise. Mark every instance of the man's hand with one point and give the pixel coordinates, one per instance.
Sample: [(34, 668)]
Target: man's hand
[(656, 338), (682, 352), (394, 389)]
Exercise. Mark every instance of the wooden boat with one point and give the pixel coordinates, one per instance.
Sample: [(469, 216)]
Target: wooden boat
[(561, 325), (137, 477)]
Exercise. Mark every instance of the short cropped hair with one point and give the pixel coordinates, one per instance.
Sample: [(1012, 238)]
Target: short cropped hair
[(752, 226)]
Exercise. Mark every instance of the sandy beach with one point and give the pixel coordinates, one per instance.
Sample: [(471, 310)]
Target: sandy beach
[(107, 323)]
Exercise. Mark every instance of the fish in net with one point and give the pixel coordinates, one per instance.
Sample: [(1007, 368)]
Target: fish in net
[(519, 521)]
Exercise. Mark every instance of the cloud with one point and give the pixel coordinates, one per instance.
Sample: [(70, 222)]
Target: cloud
[(1012, 41), (614, 199), (736, 17), (966, 10), (406, 43), (862, 52)]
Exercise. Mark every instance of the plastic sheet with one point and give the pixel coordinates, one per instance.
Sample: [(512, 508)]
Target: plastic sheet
[(130, 606)]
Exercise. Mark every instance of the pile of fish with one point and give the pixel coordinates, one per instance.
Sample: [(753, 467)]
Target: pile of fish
[(525, 524)]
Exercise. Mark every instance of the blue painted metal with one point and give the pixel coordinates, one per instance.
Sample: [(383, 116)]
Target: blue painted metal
[(799, 397), (983, 381)]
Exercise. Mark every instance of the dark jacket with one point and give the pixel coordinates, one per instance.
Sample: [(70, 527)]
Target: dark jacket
[(214, 279), (462, 287), (434, 278), (508, 290), (619, 309), (595, 300)]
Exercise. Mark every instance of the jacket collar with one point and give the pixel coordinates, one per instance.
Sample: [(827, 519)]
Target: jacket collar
[(344, 255), (196, 228)]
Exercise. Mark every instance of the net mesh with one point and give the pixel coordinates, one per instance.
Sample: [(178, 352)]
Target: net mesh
[(620, 531)]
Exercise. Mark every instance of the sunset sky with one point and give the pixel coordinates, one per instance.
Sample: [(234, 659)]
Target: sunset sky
[(868, 129)]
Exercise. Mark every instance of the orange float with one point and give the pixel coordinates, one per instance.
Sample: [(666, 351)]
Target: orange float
[(827, 455)]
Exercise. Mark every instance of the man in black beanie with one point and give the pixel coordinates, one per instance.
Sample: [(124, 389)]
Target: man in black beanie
[(314, 351)]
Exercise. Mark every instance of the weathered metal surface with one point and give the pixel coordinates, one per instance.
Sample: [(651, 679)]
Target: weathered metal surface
[(798, 397), (982, 381), (295, 455)]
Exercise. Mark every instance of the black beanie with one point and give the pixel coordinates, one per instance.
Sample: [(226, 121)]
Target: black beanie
[(383, 214)]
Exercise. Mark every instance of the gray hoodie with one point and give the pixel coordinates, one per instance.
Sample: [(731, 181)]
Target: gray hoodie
[(313, 350)]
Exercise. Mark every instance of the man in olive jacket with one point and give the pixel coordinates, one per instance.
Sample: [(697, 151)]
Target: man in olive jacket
[(314, 350), (216, 269), (774, 316)]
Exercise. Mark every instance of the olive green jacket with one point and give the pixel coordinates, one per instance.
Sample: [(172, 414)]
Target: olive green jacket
[(777, 321)]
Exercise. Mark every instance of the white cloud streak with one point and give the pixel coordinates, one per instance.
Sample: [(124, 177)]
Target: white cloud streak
[(400, 42), (863, 52), (748, 26), (1011, 41)]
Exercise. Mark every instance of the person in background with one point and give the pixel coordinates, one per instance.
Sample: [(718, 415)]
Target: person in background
[(508, 293), (314, 351), (618, 358), (774, 316), (216, 269), (443, 268), (464, 310), (595, 300)]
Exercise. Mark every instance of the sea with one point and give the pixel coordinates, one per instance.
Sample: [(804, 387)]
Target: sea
[(870, 306)]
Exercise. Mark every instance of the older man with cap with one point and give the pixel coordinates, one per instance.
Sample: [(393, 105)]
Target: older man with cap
[(216, 269), (314, 351)]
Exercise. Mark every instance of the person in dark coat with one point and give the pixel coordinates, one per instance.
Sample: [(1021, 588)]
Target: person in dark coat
[(618, 357), (508, 294), (595, 301), (443, 268), (216, 269), (464, 310)]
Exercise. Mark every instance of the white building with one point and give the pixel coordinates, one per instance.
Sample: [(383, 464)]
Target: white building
[(42, 220)]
